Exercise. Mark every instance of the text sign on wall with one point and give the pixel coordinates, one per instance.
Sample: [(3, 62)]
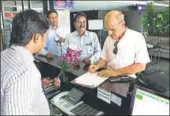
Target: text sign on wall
[(140, 8), (63, 4)]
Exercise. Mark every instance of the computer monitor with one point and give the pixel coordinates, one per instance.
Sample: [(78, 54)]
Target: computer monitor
[(148, 102)]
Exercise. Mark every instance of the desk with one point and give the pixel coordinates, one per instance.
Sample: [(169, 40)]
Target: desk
[(51, 68), (56, 61)]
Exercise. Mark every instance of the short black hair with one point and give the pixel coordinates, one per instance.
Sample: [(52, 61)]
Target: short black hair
[(25, 24), (79, 14), (51, 11)]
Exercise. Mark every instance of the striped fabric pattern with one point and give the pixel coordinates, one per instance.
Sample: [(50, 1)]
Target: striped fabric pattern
[(21, 87)]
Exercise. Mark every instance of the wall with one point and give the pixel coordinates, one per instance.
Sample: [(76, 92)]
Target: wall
[(134, 20)]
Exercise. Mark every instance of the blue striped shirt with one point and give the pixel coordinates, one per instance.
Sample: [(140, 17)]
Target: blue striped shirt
[(21, 88), (51, 45)]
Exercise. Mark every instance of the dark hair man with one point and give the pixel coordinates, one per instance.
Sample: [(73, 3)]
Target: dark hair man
[(21, 88)]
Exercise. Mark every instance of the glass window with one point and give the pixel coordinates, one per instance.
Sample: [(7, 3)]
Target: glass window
[(37, 5)]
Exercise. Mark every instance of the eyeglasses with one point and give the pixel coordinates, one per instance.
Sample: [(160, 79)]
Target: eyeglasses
[(115, 50), (114, 28)]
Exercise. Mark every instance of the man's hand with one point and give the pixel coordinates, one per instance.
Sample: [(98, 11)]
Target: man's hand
[(61, 40), (93, 68), (49, 55), (108, 73)]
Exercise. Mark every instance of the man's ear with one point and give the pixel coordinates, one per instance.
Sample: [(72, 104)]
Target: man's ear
[(36, 37)]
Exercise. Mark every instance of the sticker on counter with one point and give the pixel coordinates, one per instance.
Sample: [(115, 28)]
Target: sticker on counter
[(115, 99)]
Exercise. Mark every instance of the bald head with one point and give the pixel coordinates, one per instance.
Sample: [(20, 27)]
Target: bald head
[(113, 16), (115, 24)]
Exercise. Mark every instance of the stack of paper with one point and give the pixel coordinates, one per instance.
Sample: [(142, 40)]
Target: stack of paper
[(90, 80)]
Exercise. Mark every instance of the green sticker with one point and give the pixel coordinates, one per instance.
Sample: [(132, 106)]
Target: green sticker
[(139, 97)]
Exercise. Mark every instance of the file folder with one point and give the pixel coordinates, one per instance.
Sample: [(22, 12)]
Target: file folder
[(89, 80)]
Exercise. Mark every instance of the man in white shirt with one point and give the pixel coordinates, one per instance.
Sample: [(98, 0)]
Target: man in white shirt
[(84, 40), (21, 87), (55, 37), (124, 51)]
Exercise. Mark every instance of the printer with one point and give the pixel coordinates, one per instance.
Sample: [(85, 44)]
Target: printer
[(70, 103)]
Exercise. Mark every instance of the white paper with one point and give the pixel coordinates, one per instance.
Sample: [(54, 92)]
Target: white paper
[(90, 79), (95, 24)]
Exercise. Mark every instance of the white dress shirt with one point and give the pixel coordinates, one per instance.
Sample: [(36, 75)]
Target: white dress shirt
[(88, 43), (51, 45), (21, 87), (131, 49)]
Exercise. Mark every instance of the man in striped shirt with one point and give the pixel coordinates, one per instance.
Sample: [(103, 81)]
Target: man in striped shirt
[(21, 88)]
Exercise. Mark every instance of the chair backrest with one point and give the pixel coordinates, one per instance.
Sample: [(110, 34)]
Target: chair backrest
[(157, 80), (145, 34)]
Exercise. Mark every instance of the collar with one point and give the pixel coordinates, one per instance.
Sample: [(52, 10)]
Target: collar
[(51, 27), (124, 33), (123, 36), (25, 52), (77, 34)]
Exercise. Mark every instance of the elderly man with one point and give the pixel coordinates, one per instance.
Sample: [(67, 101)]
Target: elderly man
[(55, 37), (124, 51), (84, 40), (21, 88)]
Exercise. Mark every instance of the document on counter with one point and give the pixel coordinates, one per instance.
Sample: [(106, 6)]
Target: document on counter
[(90, 80)]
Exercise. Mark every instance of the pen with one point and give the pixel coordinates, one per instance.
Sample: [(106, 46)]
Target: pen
[(92, 63)]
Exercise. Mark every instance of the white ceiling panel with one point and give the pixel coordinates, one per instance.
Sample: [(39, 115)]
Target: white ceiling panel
[(109, 5), (99, 5)]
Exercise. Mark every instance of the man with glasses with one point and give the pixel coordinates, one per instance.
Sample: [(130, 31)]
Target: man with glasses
[(84, 40), (124, 51)]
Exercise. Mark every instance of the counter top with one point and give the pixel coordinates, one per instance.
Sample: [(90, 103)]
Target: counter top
[(56, 61), (118, 88)]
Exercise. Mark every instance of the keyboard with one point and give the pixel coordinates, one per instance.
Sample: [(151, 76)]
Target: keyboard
[(70, 100), (84, 109)]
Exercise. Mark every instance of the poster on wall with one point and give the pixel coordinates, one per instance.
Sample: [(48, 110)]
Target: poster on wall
[(140, 8), (95, 24), (64, 20), (9, 12), (8, 17), (63, 4)]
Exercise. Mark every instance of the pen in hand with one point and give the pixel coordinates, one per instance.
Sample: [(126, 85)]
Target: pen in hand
[(93, 67), (91, 63)]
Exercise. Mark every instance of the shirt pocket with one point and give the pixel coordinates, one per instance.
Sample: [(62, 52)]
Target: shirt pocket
[(90, 50), (89, 47)]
